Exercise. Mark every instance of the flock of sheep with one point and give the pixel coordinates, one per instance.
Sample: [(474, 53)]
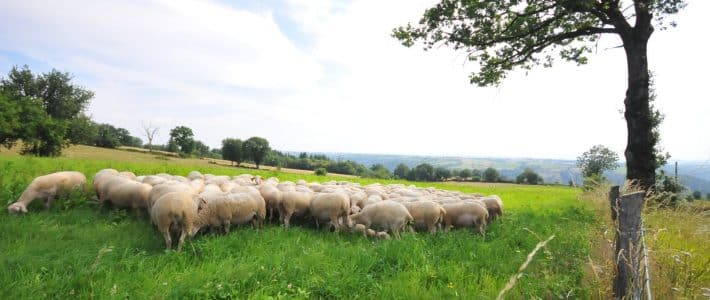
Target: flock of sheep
[(186, 205)]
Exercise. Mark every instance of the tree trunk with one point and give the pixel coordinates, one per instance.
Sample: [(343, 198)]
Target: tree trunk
[(640, 156)]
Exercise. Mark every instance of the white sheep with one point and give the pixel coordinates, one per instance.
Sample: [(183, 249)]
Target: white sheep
[(101, 177), (385, 215), (464, 214), (426, 214), (195, 175), (230, 209), (129, 194), (383, 235), (272, 196), (48, 187), (174, 211), (294, 204), (160, 190), (331, 207)]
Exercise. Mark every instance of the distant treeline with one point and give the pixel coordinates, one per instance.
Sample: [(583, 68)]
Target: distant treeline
[(47, 112)]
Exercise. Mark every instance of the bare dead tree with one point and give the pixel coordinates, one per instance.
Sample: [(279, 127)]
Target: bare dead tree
[(149, 132)]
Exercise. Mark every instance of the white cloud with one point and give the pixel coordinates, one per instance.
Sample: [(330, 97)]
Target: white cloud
[(231, 72)]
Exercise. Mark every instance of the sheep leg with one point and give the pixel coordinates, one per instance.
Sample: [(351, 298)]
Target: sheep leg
[(183, 233), (48, 201), (287, 220), (166, 236), (226, 227)]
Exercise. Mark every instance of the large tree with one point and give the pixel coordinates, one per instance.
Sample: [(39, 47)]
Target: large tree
[(400, 172), (508, 34), (45, 105), (182, 137), (232, 150), (256, 148)]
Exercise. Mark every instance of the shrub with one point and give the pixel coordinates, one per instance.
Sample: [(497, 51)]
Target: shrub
[(320, 171)]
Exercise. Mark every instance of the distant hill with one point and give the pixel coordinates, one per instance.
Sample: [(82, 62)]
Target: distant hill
[(696, 176)]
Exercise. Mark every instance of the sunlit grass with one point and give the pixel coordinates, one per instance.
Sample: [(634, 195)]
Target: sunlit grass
[(75, 251)]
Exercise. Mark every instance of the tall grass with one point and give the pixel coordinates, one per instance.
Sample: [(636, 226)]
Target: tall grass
[(678, 241), (76, 251)]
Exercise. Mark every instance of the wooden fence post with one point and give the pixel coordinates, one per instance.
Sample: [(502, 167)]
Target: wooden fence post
[(613, 200), (628, 243)]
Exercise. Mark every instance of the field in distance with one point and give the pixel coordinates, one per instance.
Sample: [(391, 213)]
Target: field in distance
[(74, 250)]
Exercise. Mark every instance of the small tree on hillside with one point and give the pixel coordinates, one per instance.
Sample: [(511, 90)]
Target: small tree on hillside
[(380, 171), (400, 172), (441, 174), (596, 160), (424, 172), (491, 175), (232, 150), (256, 148), (183, 138), (476, 175), (528, 176), (465, 174)]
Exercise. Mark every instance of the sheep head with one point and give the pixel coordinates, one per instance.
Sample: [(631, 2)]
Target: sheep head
[(17, 208)]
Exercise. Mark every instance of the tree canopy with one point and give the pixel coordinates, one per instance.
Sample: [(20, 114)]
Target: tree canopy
[(256, 148), (39, 109), (232, 150), (596, 160), (183, 138)]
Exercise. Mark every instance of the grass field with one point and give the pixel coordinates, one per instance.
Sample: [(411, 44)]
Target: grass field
[(76, 251)]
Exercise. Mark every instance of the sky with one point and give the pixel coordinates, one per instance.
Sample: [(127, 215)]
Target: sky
[(326, 76)]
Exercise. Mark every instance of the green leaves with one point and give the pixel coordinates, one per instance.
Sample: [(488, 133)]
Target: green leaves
[(504, 35)]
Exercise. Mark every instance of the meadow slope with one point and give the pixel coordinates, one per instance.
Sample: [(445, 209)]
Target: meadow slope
[(74, 250)]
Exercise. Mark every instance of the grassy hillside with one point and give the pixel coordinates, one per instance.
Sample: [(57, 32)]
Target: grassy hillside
[(76, 251)]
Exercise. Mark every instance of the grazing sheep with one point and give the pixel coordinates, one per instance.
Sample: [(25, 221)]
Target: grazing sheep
[(162, 189), (228, 186), (286, 186), (371, 233), (331, 207), (230, 209), (128, 175), (179, 178), (358, 198), (129, 194), (198, 185), (294, 204), (385, 215), (354, 209), (426, 214), (360, 229), (383, 235), (195, 175), (101, 177), (174, 212), (272, 196), (48, 187), (463, 214), (109, 183), (211, 188), (494, 205), (154, 180)]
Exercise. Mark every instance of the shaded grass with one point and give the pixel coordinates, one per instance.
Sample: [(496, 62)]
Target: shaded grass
[(76, 251)]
